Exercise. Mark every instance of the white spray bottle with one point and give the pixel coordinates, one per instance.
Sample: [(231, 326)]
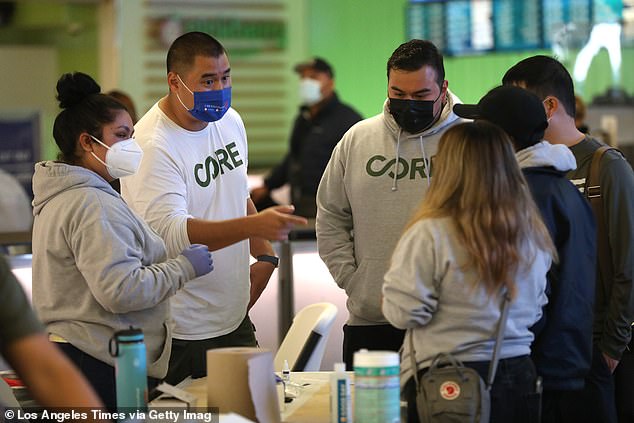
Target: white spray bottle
[(340, 400)]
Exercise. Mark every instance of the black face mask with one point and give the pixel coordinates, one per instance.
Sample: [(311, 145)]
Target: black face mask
[(413, 115)]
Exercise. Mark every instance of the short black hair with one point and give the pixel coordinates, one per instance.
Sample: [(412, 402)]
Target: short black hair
[(544, 76), (413, 55), (84, 109), (183, 51)]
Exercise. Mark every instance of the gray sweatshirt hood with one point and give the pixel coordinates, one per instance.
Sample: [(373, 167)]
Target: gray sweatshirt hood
[(53, 178), (545, 154)]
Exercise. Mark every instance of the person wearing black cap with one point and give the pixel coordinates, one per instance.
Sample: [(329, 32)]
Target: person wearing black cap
[(614, 306), (562, 350), (320, 124)]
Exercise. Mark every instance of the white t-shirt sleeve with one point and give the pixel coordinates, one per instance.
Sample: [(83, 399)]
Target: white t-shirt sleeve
[(159, 193), (244, 147)]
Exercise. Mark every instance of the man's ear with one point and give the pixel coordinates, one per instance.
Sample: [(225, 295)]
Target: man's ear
[(85, 142), (444, 91), (173, 81), (551, 104)]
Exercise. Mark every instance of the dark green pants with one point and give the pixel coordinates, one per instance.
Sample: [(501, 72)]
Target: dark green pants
[(189, 358)]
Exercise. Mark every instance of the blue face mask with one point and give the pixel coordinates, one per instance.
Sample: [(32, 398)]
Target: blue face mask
[(209, 106)]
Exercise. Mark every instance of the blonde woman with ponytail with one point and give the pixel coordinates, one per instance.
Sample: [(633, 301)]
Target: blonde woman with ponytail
[(476, 236)]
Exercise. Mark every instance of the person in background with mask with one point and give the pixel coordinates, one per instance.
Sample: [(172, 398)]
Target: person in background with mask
[(320, 124), (192, 188), (98, 268), (377, 175)]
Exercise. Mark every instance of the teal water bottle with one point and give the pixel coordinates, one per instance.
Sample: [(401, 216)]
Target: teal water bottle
[(128, 348)]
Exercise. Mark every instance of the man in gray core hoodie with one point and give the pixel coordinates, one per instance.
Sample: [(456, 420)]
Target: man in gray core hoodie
[(377, 175)]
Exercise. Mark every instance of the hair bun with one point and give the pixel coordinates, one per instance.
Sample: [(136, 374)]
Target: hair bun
[(73, 88)]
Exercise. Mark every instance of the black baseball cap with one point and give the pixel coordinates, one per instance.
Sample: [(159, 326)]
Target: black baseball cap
[(318, 64), (519, 112)]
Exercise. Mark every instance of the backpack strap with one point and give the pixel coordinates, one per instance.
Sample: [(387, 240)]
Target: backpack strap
[(493, 366), (594, 194), (412, 356)]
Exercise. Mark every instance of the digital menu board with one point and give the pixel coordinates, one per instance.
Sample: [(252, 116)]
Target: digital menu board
[(566, 21), (516, 25), (456, 27), (461, 27), (426, 21)]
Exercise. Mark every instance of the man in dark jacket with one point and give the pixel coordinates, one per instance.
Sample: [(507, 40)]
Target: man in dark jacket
[(321, 123), (562, 350), (614, 305)]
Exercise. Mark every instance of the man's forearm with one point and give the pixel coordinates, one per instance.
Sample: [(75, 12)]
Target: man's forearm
[(218, 234), (260, 275), (258, 246)]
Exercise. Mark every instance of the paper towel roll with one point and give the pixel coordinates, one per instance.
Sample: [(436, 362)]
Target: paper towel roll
[(241, 380)]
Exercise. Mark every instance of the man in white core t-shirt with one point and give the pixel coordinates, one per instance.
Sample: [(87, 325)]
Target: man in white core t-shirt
[(192, 188)]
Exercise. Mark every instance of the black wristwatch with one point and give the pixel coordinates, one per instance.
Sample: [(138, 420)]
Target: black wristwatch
[(269, 259)]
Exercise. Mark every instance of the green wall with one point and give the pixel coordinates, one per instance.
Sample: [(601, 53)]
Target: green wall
[(358, 37), (70, 28)]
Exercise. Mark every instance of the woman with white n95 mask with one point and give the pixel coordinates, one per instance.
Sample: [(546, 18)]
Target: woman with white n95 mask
[(97, 267), (122, 159)]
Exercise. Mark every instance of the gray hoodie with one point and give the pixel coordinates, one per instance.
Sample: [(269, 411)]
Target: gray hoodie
[(557, 156), (429, 290), (364, 202), (93, 271)]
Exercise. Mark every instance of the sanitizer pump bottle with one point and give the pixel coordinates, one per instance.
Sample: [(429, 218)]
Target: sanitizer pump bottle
[(340, 401)]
